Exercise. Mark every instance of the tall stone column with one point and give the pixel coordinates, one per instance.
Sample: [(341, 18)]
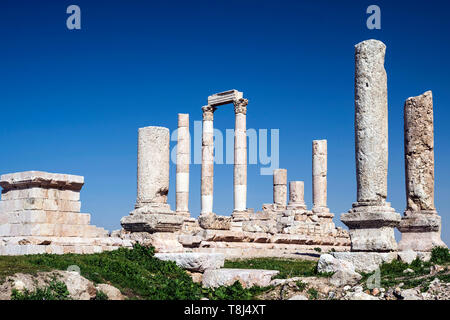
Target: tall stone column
[(296, 195), (183, 160), (421, 225), (280, 187), (240, 156), (319, 176), (207, 160), (153, 166), (371, 220)]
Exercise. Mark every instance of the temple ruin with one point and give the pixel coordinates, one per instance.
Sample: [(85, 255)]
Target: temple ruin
[(40, 212)]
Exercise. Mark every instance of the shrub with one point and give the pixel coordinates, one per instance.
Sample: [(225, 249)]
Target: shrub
[(440, 255)]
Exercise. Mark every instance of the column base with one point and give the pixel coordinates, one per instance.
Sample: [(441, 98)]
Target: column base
[(320, 210), (240, 215), (296, 206), (186, 214), (421, 231), (371, 227)]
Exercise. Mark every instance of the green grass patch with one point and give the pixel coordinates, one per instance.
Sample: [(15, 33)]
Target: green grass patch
[(135, 272), (56, 290), (288, 268), (393, 274)]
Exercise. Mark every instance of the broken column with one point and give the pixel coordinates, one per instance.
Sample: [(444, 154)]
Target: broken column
[(279, 188), (207, 160), (240, 156), (319, 176), (421, 225), (183, 160), (152, 213), (153, 166), (371, 220), (296, 195)]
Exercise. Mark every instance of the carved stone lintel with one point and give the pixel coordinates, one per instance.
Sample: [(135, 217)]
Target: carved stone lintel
[(240, 106)]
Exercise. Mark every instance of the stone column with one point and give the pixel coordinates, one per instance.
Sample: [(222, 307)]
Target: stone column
[(296, 195), (280, 187), (421, 225), (183, 160), (319, 176), (153, 166), (207, 160), (240, 156), (371, 220)]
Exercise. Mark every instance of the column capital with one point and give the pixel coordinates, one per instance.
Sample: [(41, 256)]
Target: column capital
[(208, 112), (240, 106)]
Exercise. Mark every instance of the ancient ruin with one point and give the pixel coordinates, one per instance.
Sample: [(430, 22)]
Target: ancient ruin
[(40, 213), (371, 220), (280, 229), (421, 225)]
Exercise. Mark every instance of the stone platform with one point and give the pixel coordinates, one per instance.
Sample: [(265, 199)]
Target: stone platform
[(40, 213)]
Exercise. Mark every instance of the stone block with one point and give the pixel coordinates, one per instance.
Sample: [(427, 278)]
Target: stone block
[(366, 261), (194, 261), (247, 277)]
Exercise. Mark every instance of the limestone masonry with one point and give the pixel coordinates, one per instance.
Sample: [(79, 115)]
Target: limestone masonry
[(40, 212)]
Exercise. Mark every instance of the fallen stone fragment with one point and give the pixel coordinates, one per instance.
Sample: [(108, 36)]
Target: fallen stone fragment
[(247, 277), (327, 263), (298, 297), (111, 292), (193, 261)]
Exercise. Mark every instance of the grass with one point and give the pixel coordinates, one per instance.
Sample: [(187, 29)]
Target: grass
[(288, 268), (56, 290), (135, 272), (392, 274)]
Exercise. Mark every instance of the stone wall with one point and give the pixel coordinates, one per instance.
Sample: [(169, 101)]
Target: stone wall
[(40, 213)]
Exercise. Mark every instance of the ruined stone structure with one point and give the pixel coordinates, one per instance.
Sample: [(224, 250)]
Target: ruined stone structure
[(421, 225), (280, 229), (371, 220), (40, 213)]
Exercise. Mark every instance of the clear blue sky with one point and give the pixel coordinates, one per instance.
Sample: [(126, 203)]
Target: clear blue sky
[(72, 101)]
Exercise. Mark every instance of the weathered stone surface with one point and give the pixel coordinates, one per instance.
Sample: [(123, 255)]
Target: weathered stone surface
[(154, 222), (371, 121), (165, 242), (296, 195), (298, 297), (269, 226), (79, 288), (225, 97), (365, 261), (319, 176), (40, 179), (345, 277), (153, 165), (194, 261), (280, 187), (407, 256), (371, 228), (183, 161), (420, 226), (419, 153), (247, 277), (328, 263), (215, 222), (111, 292), (40, 213)]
